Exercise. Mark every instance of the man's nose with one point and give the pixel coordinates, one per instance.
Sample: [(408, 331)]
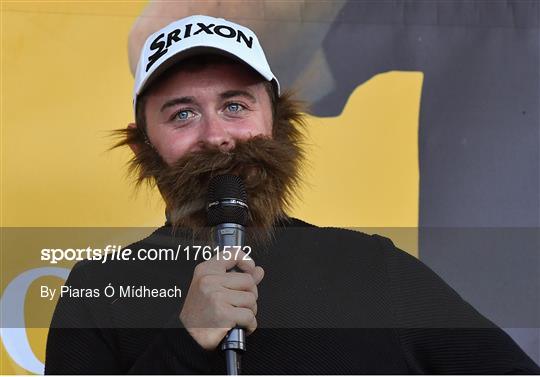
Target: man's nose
[(215, 133)]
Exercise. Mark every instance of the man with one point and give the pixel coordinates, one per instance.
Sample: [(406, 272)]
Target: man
[(312, 300)]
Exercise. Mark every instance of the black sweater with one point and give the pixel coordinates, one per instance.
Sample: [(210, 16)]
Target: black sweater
[(332, 301)]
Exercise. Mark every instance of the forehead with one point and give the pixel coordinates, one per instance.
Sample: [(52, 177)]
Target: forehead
[(206, 70)]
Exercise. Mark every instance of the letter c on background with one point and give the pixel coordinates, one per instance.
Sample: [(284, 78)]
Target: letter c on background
[(14, 337)]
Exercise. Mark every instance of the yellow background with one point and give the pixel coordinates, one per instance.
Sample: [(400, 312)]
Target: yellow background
[(65, 83)]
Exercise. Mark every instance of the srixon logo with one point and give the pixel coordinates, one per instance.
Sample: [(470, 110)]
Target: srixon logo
[(162, 42)]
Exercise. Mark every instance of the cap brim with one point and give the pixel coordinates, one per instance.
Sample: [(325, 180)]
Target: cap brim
[(192, 51)]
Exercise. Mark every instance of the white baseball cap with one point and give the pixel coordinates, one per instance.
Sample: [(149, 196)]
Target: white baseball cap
[(195, 35)]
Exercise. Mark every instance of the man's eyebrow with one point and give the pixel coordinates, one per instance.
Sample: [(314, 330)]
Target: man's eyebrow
[(176, 101), (238, 93)]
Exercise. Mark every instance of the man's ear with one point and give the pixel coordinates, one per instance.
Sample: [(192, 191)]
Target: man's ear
[(136, 148)]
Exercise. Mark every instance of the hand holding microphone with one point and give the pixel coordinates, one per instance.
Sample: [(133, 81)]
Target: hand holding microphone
[(223, 293), (218, 300)]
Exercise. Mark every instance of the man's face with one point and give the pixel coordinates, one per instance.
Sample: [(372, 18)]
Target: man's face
[(212, 117), (215, 106)]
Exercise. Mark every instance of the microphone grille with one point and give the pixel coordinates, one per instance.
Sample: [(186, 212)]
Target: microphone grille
[(222, 189), (226, 186)]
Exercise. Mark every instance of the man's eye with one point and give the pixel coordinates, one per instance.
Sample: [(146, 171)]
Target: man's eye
[(183, 115), (234, 107)]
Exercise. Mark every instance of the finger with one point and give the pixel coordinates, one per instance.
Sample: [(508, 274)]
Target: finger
[(244, 261), (222, 262), (244, 318), (241, 299), (238, 281), (258, 274)]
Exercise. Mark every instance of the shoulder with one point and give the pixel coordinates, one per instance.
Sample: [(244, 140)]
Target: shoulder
[(348, 238), (338, 244)]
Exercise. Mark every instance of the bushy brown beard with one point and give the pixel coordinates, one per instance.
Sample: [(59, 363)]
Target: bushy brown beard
[(269, 167)]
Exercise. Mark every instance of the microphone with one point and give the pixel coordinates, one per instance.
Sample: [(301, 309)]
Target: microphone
[(227, 211)]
